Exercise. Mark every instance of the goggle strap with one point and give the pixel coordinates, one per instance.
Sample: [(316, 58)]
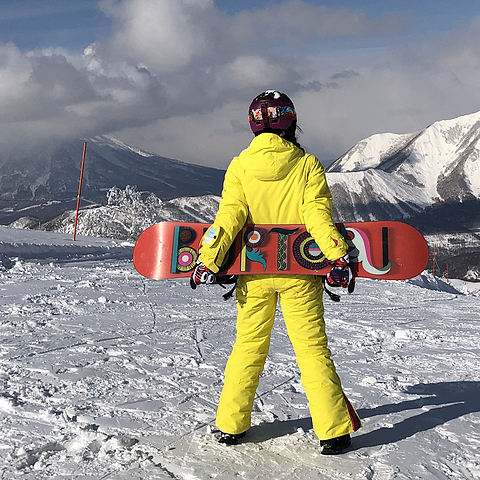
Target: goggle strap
[(264, 108)]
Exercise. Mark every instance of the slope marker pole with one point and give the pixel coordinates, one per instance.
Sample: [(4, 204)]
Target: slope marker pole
[(79, 190)]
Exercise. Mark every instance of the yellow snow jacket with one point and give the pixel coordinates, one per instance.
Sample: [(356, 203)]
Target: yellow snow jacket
[(273, 182)]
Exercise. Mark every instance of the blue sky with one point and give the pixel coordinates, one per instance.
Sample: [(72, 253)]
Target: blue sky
[(51, 23), (176, 76), (74, 24)]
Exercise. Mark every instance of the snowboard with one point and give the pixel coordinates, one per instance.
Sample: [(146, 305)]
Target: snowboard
[(386, 250)]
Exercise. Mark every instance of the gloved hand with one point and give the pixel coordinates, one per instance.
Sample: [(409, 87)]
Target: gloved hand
[(341, 274), (202, 276)]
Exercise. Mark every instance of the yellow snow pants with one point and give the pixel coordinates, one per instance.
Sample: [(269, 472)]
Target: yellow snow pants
[(302, 306)]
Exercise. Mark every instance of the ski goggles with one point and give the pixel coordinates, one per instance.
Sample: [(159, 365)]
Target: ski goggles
[(272, 112)]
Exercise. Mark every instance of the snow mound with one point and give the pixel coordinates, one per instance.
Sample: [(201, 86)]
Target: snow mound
[(427, 280)]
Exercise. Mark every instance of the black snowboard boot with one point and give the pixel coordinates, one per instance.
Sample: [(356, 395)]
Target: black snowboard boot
[(229, 439), (334, 446)]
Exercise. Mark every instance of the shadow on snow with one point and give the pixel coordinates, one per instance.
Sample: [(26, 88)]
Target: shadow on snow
[(439, 404)]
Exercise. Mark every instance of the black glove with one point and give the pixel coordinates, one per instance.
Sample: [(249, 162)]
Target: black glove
[(202, 276), (341, 274)]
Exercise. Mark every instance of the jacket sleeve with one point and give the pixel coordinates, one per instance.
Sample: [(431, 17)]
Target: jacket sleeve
[(231, 217), (318, 214)]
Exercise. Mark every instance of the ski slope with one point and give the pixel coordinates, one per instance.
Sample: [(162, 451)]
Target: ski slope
[(107, 375)]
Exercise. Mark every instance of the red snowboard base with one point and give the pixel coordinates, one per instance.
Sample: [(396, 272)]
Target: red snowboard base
[(386, 250)]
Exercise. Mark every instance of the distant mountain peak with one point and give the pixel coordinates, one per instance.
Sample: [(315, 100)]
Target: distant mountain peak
[(108, 141), (429, 178), (441, 161), (46, 182)]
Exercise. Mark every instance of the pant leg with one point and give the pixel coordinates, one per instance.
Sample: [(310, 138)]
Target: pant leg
[(256, 302), (302, 306)]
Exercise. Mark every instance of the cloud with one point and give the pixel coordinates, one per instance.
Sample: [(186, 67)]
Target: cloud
[(51, 96), (171, 35), (404, 89), (210, 138), (166, 35), (298, 23), (177, 76), (345, 74), (164, 59)]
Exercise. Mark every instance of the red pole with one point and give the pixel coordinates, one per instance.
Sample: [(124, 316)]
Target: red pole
[(79, 190)]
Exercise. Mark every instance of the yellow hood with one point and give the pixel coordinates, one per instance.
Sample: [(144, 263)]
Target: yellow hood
[(269, 157)]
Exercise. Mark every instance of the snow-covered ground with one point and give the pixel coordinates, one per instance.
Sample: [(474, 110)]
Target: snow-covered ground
[(107, 375)]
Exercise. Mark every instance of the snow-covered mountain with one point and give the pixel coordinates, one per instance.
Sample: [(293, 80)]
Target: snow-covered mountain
[(45, 183), (399, 176), (385, 176)]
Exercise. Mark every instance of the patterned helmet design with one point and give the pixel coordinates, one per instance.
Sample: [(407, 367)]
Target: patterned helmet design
[(271, 110)]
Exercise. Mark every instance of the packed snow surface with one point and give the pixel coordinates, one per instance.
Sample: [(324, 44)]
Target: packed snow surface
[(107, 375)]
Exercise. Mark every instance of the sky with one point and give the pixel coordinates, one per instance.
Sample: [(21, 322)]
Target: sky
[(176, 77)]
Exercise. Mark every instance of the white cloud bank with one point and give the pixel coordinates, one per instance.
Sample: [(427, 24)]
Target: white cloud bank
[(176, 77)]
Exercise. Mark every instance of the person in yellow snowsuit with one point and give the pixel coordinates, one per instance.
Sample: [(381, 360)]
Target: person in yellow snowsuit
[(274, 181)]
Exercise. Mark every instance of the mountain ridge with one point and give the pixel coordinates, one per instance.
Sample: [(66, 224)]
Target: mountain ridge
[(45, 184), (435, 166)]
